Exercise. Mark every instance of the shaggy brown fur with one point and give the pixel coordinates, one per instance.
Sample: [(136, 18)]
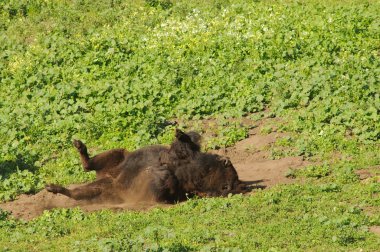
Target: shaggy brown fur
[(173, 173)]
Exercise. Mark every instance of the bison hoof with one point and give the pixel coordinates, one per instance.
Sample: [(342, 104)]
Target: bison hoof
[(79, 145), (54, 188)]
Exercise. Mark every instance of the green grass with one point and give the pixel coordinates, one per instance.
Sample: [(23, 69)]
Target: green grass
[(113, 72), (295, 217)]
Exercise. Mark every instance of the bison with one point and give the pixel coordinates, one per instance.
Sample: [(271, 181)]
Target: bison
[(168, 174)]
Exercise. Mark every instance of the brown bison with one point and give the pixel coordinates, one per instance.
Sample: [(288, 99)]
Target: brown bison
[(169, 174)]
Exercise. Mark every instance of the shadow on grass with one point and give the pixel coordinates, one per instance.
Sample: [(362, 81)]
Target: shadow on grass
[(21, 162), (254, 184)]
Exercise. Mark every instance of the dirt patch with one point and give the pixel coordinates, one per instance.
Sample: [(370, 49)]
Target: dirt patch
[(363, 174), (28, 207), (249, 156), (372, 211), (252, 160), (369, 175), (375, 230)]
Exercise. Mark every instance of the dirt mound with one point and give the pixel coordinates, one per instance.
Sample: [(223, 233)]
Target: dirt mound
[(248, 156)]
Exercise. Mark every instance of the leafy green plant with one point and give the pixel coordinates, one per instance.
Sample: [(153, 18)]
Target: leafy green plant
[(226, 136), (312, 171)]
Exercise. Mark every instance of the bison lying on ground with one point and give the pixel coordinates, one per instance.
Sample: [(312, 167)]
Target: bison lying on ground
[(168, 174)]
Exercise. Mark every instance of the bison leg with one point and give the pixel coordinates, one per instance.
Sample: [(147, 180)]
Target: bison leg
[(87, 192), (77, 193), (105, 164), (84, 157)]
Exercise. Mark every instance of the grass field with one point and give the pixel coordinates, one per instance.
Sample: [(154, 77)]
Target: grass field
[(113, 73)]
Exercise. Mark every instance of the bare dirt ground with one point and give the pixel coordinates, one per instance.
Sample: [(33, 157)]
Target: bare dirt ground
[(249, 156), (252, 160), (28, 207), (375, 230)]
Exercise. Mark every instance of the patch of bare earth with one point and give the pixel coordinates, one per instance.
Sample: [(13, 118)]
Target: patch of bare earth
[(252, 160), (137, 197), (249, 156), (371, 174), (375, 230)]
